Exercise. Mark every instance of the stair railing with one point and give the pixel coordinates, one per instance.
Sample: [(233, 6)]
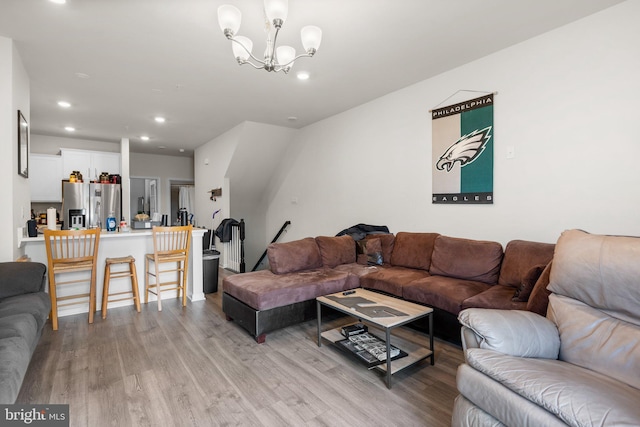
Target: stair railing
[(275, 239)]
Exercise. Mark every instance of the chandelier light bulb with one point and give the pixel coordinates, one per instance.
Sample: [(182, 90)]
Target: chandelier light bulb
[(241, 53), (311, 38), (229, 18), (285, 55), (276, 11)]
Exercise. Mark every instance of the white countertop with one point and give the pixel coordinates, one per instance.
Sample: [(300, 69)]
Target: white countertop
[(198, 232)]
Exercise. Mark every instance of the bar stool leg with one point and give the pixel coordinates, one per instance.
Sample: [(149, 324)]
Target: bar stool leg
[(157, 269), (105, 289), (54, 300), (184, 283), (146, 280), (92, 295), (134, 284)]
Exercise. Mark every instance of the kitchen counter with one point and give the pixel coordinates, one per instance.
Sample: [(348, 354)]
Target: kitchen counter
[(136, 243)]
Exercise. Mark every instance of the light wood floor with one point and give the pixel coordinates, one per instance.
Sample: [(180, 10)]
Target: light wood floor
[(192, 367)]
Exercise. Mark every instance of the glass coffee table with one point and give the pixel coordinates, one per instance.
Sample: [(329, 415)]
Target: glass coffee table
[(384, 313)]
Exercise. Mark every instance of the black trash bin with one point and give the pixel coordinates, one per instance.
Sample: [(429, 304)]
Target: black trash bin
[(210, 261)]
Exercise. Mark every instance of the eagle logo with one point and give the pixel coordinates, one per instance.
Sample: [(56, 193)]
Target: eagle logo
[(465, 150)]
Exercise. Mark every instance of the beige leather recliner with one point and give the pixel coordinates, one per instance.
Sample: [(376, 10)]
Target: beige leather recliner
[(580, 365)]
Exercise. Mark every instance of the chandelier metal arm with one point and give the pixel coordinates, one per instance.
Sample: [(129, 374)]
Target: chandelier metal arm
[(302, 55), (248, 51)]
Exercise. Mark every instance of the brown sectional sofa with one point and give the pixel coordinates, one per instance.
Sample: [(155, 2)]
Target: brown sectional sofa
[(446, 273)]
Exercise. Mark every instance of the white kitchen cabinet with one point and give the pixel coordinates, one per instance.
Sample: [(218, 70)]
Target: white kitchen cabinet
[(90, 163), (105, 162), (45, 175)]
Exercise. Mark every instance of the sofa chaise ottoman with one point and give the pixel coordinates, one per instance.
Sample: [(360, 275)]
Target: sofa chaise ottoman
[(266, 300)]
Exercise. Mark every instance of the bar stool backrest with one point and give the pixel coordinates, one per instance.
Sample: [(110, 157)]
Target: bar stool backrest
[(68, 247), (172, 241)]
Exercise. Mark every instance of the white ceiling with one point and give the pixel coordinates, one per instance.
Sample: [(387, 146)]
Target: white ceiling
[(168, 57)]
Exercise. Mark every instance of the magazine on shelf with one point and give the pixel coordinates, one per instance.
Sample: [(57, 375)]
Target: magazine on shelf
[(369, 349)]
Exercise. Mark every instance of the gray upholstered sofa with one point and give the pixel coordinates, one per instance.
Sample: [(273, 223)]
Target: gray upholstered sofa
[(24, 307), (579, 365)]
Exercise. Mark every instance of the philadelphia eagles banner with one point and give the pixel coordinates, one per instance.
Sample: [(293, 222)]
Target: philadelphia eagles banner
[(462, 136)]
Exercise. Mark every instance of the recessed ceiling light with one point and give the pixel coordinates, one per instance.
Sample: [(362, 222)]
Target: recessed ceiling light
[(144, 138), (292, 118), (64, 104), (182, 150), (159, 119), (82, 75), (58, 1), (69, 128), (162, 147), (302, 75)]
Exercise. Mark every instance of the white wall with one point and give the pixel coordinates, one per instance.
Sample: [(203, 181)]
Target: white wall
[(567, 103), (45, 144), (15, 192), (211, 162), (255, 160), (242, 162)]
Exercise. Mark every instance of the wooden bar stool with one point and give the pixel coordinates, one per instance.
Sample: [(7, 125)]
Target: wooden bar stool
[(108, 275), (170, 245), (71, 251)]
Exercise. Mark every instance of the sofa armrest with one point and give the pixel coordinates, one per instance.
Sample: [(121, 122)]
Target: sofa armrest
[(513, 332), (17, 278)]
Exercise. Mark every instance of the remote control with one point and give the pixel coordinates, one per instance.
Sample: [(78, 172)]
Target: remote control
[(348, 292)]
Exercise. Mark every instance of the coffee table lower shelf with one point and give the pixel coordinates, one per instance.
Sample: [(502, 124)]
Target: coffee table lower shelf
[(415, 352)]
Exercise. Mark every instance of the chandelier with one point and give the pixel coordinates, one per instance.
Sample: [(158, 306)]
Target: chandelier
[(275, 59)]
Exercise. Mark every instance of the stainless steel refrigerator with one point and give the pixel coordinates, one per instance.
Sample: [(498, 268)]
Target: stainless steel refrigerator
[(104, 201), (88, 205)]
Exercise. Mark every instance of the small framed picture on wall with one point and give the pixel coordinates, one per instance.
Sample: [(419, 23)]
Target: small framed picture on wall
[(23, 146)]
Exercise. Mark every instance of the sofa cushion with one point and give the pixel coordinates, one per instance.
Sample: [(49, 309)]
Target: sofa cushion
[(529, 280), (336, 250), (36, 304), (601, 271), (413, 250), (519, 257), (14, 360), (293, 256), (595, 340), (370, 252), (387, 242), (475, 260), (445, 293), (496, 296), (18, 278), (578, 396), (356, 268), (391, 279), (262, 290), (539, 298), (21, 325), (498, 400)]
